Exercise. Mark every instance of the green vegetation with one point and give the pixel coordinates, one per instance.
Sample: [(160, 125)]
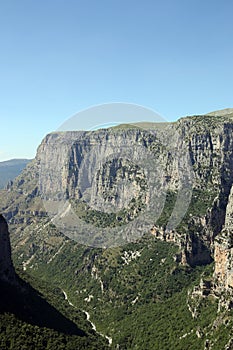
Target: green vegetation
[(137, 294), (201, 201), (101, 219), (168, 208), (32, 320), (15, 334)]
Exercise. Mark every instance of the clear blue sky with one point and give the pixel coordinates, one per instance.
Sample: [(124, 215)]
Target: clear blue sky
[(61, 56)]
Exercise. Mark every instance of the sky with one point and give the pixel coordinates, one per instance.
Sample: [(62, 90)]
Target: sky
[(62, 56)]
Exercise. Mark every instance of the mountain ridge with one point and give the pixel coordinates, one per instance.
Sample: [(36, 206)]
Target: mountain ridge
[(10, 169), (159, 267)]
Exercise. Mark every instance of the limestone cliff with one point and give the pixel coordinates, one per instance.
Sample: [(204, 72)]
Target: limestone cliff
[(223, 251), (108, 170)]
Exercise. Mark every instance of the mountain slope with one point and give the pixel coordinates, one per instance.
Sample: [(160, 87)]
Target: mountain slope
[(222, 112), (10, 169), (27, 320), (167, 288)]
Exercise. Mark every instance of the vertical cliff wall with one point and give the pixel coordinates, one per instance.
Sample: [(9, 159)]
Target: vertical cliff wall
[(223, 250), (7, 272), (69, 161)]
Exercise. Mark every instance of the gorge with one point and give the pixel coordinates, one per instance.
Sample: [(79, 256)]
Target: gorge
[(129, 220)]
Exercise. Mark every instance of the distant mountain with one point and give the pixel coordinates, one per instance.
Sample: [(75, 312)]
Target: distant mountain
[(10, 169)]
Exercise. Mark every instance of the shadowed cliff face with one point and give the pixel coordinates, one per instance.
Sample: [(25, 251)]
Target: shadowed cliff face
[(20, 299), (6, 267), (28, 305)]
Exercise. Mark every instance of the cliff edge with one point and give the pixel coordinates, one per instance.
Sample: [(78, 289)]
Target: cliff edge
[(7, 272)]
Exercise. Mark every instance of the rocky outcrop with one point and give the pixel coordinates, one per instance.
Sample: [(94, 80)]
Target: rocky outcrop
[(223, 257), (223, 251), (7, 272)]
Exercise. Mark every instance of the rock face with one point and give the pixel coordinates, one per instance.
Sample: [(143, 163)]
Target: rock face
[(105, 168), (108, 169), (223, 251), (7, 272)]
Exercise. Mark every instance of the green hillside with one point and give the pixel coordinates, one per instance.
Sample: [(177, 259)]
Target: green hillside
[(42, 320)]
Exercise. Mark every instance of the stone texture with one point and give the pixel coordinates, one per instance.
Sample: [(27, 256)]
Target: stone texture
[(223, 250)]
